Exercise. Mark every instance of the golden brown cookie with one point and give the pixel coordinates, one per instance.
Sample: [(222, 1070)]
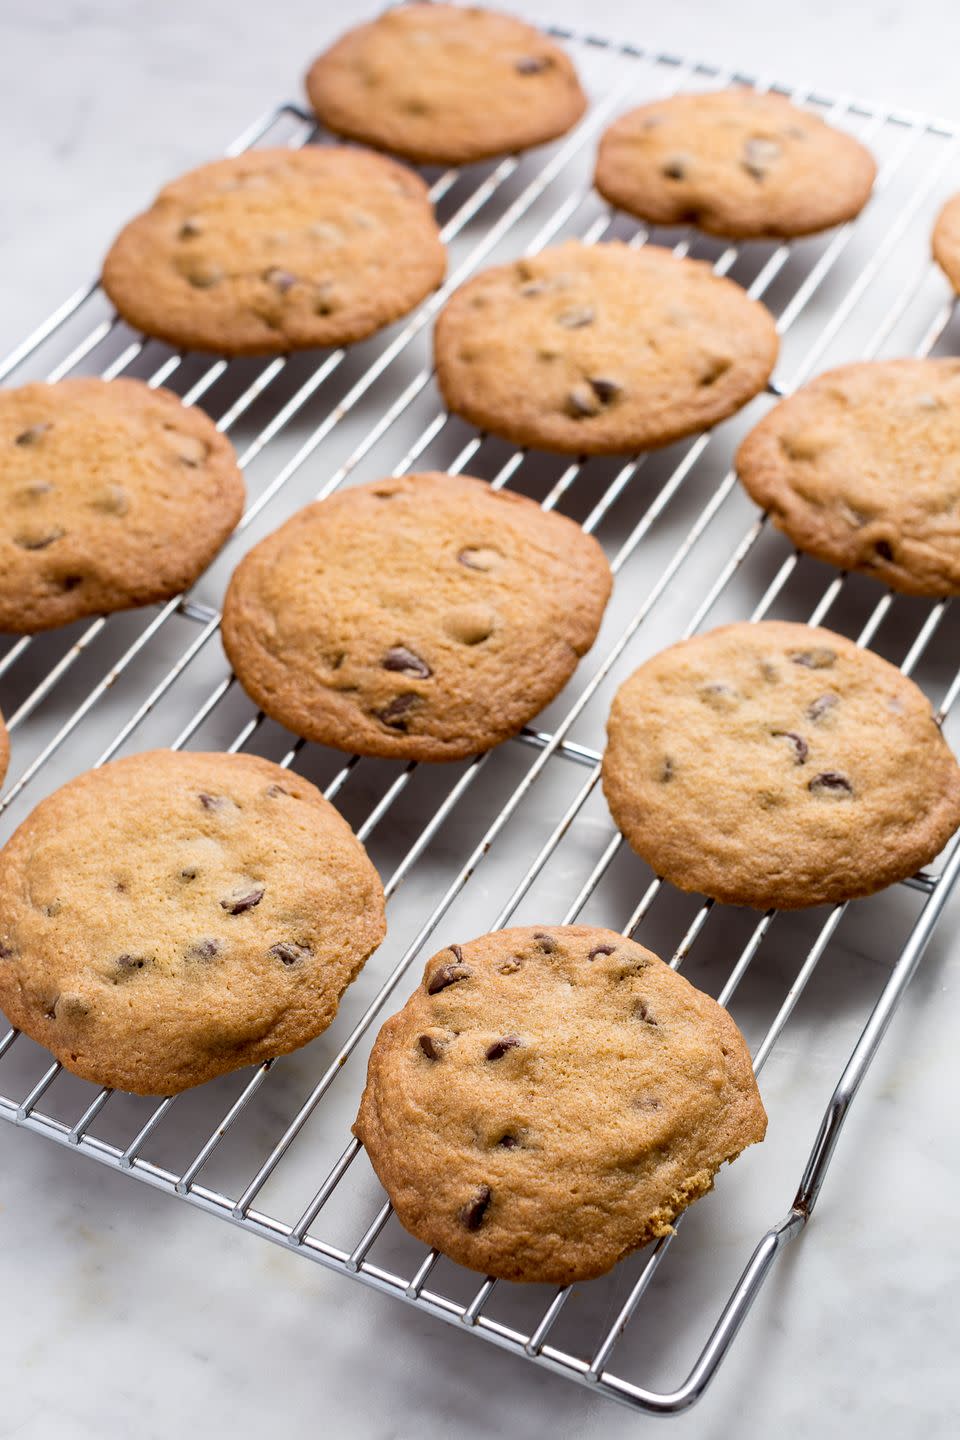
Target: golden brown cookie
[(778, 765), (173, 916), (442, 84), (601, 349), (278, 250), (4, 750), (862, 469), (734, 162), (946, 241), (113, 495), (426, 618), (550, 1099)]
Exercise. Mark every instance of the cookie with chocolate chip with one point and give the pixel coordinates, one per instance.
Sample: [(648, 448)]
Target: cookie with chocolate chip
[(173, 916), (549, 1099), (426, 618), (444, 85), (112, 495), (946, 241), (278, 250), (778, 765), (4, 750), (601, 349), (735, 163), (862, 468)]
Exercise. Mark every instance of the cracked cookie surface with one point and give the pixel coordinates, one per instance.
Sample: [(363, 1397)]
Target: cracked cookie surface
[(441, 84), (278, 250), (734, 163), (861, 468), (113, 495), (946, 241), (601, 349), (551, 1098), (172, 916), (427, 617), (778, 765)]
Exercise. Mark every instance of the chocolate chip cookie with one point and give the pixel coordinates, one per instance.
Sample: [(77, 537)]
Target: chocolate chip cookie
[(4, 750), (862, 468), (778, 765), (445, 85), (426, 618), (173, 916), (278, 250), (601, 349), (113, 495), (550, 1099), (946, 241), (734, 163)]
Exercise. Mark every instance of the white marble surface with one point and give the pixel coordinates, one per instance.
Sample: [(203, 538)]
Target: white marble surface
[(126, 1314)]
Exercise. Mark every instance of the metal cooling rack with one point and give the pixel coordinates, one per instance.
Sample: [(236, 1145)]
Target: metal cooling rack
[(270, 1150)]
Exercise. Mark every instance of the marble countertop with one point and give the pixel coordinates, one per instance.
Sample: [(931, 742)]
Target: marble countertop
[(126, 1314)]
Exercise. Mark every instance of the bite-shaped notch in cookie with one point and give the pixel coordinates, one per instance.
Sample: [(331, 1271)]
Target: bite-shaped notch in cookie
[(114, 495), (278, 250), (736, 163), (601, 349), (425, 618), (778, 765), (550, 1099), (446, 84), (173, 916), (862, 469)]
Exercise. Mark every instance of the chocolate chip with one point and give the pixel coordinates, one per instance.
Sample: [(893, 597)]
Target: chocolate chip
[(396, 712), (70, 582), (290, 952), (821, 705), (472, 1213), (532, 64), (832, 782), (601, 950), (6, 951), (50, 1010), (406, 663), (819, 658), (883, 549), (480, 557), (546, 942), (604, 388), (432, 1048), (499, 1048), (190, 229), (274, 790), (666, 770), (800, 747), (211, 802), (189, 874), (676, 168), (127, 964), (281, 280), (758, 156), (40, 541), (508, 1142), (237, 904), (719, 696), (31, 436), (576, 318), (581, 402), (456, 950), (447, 975), (203, 276), (643, 1013), (203, 950)]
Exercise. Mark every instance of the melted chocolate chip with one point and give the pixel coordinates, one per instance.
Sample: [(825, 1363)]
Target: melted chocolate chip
[(576, 318), (821, 705), (666, 770), (546, 942), (190, 873), (290, 952), (404, 661), (237, 904), (127, 964), (831, 782), (644, 1014), (6, 951), (499, 1048), (884, 549), (431, 1048), (211, 802), (675, 169), (819, 658), (274, 790), (33, 434), (799, 746), (508, 1142), (190, 229), (203, 950), (447, 975), (396, 712), (601, 950), (605, 388), (581, 402), (532, 64), (472, 1213)]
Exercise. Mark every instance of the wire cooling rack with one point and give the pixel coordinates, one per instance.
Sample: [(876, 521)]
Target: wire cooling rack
[(531, 841)]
